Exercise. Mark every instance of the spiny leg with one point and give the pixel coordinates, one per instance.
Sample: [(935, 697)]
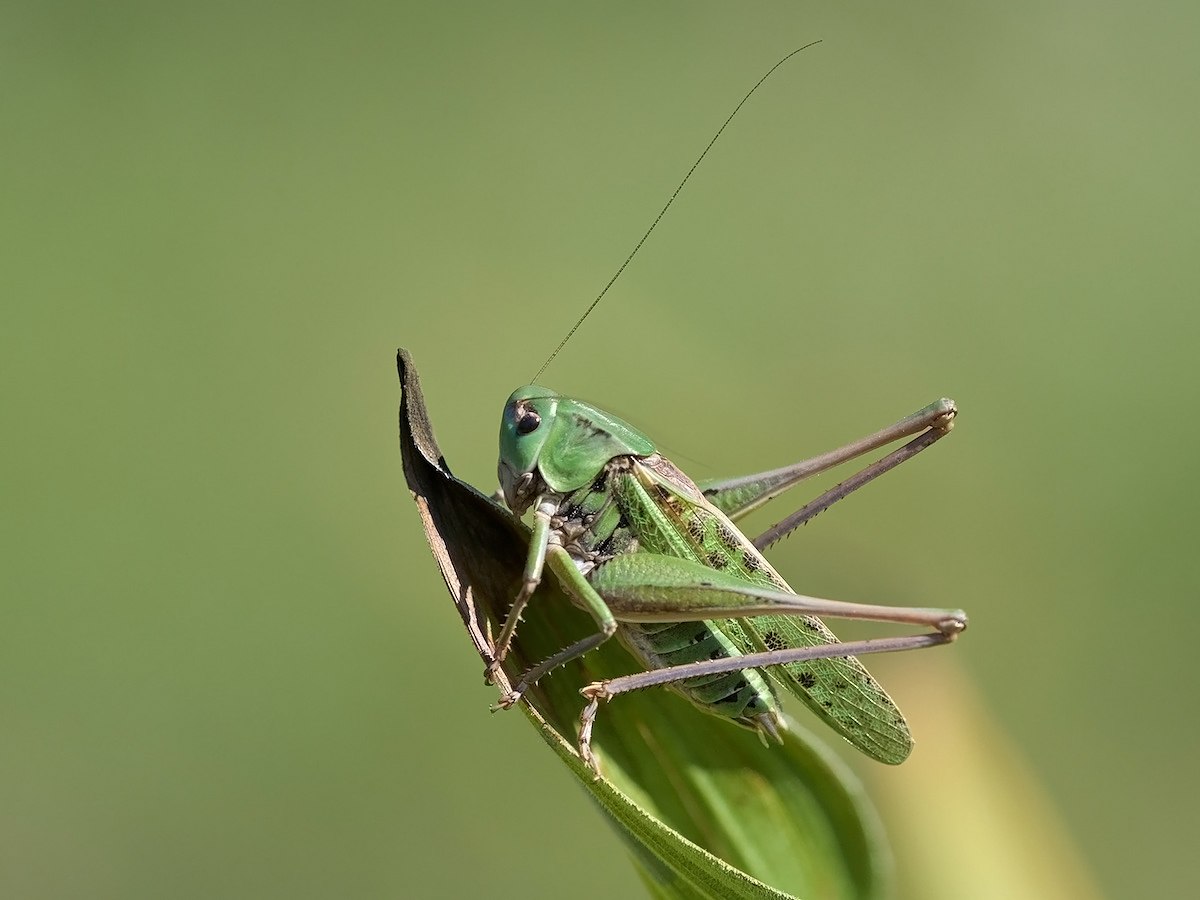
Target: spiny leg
[(850, 485), (738, 496), (645, 587), (648, 587), (606, 690), (574, 584), (531, 578)]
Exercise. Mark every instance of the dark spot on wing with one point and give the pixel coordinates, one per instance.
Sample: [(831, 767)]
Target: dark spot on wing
[(728, 535), (773, 641), (807, 680), (718, 560), (589, 428)]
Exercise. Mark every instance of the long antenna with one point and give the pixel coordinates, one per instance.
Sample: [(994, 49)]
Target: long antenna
[(663, 211)]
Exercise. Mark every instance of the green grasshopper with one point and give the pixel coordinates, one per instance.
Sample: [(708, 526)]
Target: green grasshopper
[(657, 561)]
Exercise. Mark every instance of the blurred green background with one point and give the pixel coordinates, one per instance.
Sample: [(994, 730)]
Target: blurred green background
[(228, 666)]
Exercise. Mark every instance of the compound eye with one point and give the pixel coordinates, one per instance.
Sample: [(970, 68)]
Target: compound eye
[(528, 422)]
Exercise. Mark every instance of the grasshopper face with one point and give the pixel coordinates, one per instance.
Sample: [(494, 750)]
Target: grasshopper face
[(555, 444), (526, 425)]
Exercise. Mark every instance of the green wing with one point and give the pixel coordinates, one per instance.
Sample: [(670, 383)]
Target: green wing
[(841, 691)]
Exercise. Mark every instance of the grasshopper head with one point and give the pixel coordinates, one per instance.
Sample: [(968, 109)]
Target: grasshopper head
[(524, 429), (554, 444)]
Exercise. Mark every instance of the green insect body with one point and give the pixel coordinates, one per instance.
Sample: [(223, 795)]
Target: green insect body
[(631, 507), (659, 564), (839, 690)]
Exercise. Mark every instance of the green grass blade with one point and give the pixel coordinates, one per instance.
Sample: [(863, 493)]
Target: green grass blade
[(706, 809)]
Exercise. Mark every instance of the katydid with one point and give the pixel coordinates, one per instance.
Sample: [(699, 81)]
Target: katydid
[(657, 561)]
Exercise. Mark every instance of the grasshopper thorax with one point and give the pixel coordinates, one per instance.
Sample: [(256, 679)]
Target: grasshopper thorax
[(555, 444)]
